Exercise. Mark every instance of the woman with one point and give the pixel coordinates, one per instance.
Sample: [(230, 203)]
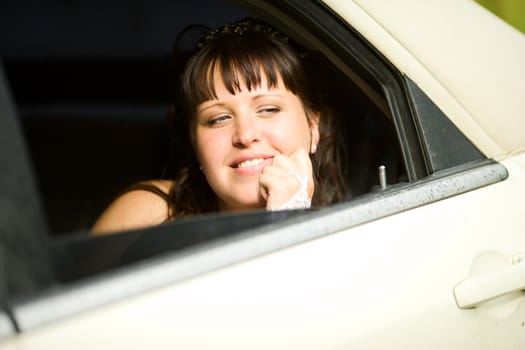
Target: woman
[(255, 132)]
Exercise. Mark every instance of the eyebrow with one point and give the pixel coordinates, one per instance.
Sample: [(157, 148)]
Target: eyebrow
[(215, 104), (223, 104)]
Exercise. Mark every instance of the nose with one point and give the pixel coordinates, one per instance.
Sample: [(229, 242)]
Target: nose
[(247, 131)]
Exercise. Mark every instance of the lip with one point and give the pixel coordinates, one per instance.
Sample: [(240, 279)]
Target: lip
[(254, 169)]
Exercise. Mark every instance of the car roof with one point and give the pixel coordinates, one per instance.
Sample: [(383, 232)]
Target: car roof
[(467, 60)]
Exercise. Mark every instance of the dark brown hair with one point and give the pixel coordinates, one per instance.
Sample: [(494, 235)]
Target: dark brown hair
[(243, 52)]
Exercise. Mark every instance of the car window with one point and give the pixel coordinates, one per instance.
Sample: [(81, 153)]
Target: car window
[(94, 113), (94, 121), (94, 109)]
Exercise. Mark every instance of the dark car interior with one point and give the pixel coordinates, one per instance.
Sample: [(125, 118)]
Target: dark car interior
[(90, 91)]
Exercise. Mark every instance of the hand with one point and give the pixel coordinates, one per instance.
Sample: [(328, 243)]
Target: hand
[(285, 180)]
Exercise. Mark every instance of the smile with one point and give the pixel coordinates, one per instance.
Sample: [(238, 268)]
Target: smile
[(250, 162)]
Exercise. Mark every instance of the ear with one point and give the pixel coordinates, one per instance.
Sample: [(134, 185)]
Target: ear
[(314, 131)]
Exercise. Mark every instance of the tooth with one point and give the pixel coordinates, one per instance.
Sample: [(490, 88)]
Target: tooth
[(250, 162)]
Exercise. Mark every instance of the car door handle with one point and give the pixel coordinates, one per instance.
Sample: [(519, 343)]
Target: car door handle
[(492, 275)]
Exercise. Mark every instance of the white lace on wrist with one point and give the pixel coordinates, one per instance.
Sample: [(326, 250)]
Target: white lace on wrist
[(299, 200)]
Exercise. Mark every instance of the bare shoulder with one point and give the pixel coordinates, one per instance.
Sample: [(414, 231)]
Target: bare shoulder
[(134, 209)]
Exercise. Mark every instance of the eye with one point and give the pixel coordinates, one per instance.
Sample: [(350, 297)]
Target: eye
[(268, 111), (218, 120)]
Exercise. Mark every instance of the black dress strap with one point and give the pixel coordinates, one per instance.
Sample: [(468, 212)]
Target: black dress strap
[(147, 187)]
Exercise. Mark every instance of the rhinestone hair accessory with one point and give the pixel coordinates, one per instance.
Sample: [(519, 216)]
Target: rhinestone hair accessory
[(241, 28)]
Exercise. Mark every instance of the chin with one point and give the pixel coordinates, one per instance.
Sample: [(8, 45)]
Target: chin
[(239, 198)]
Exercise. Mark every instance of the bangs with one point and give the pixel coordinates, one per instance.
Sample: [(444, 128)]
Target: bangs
[(236, 73), (241, 64)]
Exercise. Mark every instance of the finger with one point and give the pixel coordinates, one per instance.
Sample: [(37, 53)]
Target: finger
[(297, 164), (278, 186), (302, 160), (268, 180), (287, 163), (277, 179), (263, 191)]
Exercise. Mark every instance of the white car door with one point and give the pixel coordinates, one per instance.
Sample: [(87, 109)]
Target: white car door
[(389, 283)]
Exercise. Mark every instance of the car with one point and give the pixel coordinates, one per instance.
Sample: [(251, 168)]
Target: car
[(427, 252)]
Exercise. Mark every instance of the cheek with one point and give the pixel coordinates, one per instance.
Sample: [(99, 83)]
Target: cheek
[(289, 135), (209, 147)]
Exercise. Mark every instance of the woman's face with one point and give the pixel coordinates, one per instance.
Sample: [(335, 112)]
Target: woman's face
[(236, 136)]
